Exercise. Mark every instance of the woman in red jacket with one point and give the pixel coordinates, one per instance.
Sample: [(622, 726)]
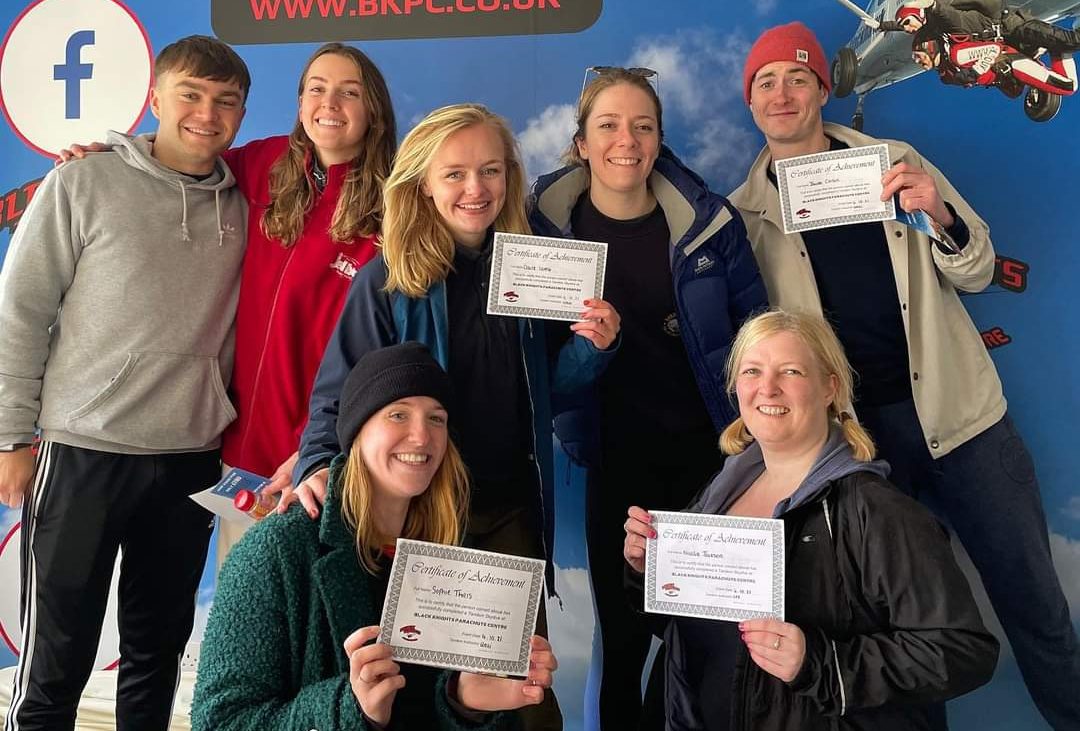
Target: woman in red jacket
[(315, 200)]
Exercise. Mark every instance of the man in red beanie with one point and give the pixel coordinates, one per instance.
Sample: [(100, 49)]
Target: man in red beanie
[(927, 388)]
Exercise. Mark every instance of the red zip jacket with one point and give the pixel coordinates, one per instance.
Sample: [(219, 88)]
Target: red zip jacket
[(290, 299)]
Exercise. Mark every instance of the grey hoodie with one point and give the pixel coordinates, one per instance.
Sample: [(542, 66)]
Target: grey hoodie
[(117, 302), (835, 461)]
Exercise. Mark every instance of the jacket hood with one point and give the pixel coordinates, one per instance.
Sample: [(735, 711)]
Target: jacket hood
[(836, 460), (136, 151), (693, 212)]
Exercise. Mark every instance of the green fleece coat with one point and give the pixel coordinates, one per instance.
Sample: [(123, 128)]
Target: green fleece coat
[(272, 658)]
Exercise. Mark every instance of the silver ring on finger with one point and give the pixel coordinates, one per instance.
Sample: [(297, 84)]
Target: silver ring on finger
[(776, 645)]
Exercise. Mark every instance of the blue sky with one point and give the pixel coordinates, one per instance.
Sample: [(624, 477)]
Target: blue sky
[(1017, 174)]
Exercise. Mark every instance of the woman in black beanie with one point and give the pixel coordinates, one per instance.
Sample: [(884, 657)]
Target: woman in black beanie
[(298, 601)]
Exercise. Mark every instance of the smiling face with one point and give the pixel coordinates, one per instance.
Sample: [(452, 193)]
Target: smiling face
[(403, 445), (783, 394), (786, 100), (197, 120), (466, 182), (332, 108), (621, 141)]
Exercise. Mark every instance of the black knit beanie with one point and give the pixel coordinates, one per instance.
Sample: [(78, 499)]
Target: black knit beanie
[(384, 376)]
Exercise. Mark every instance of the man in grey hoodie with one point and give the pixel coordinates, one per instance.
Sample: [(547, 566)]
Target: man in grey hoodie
[(117, 301)]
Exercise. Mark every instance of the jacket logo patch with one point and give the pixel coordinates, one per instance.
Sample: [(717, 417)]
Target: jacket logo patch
[(671, 325), (704, 263), (345, 266)]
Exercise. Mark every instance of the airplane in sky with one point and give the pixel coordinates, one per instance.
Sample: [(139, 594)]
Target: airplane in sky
[(873, 59)]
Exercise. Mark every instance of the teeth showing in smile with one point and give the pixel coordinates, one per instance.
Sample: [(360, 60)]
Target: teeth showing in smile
[(623, 160), (411, 458), (773, 410), (473, 206), (200, 131), (329, 123)]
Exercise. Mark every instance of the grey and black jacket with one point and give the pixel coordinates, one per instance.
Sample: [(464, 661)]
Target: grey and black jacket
[(891, 625)]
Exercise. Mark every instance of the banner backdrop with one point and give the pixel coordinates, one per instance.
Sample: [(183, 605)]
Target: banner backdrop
[(73, 68)]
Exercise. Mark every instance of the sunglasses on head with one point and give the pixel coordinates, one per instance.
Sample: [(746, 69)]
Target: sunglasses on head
[(648, 74)]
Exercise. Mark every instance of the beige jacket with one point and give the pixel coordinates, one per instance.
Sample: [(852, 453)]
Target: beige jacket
[(955, 385)]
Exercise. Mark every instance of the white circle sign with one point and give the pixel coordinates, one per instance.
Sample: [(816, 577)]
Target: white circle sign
[(108, 653), (70, 70)]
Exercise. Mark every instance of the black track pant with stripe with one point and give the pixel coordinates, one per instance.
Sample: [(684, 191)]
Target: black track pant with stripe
[(82, 508)]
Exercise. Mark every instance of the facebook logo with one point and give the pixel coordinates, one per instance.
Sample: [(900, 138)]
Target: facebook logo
[(73, 71), (92, 60)]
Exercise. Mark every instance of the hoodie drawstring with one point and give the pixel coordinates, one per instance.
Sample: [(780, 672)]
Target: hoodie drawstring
[(217, 207), (184, 233), (183, 220)]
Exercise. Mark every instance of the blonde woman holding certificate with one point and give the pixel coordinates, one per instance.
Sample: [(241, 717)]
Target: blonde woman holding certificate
[(880, 624)]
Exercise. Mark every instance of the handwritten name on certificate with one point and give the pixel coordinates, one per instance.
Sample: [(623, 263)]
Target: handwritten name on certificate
[(535, 276), (461, 609), (833, 188), (715, 566)]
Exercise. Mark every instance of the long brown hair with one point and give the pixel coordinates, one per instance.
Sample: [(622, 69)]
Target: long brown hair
[(359, 208), (417, 245), (830, 358), (437, 515)]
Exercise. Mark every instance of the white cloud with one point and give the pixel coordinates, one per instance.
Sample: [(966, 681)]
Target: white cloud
[(1072, 508), (764, 7), (571, 633), (701, 87), (1066, 555), (545, 138)]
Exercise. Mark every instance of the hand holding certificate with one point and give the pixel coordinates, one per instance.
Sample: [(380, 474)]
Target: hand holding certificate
[(715, 566), (833, 188), (461, 609), (534, 276)]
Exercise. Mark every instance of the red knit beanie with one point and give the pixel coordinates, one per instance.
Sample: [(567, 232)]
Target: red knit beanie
[(791, 42)]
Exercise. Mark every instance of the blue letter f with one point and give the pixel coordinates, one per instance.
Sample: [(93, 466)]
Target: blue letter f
[(72, 71)]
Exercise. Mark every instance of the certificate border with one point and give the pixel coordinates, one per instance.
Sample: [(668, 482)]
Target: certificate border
[(452, 660), (494, 307), (772, 525), (791, 226)]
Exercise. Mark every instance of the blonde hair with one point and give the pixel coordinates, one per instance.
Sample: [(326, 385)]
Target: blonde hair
[(359, 207), (830, 358), (437, 515), (417, 245), (609, 77)]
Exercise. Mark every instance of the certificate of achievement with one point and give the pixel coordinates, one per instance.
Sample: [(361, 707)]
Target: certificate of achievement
[(461, 609), (833, 188), (715, 566), (534, 276)]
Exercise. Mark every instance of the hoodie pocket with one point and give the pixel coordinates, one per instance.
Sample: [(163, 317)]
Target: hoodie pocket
[(160, 401)]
